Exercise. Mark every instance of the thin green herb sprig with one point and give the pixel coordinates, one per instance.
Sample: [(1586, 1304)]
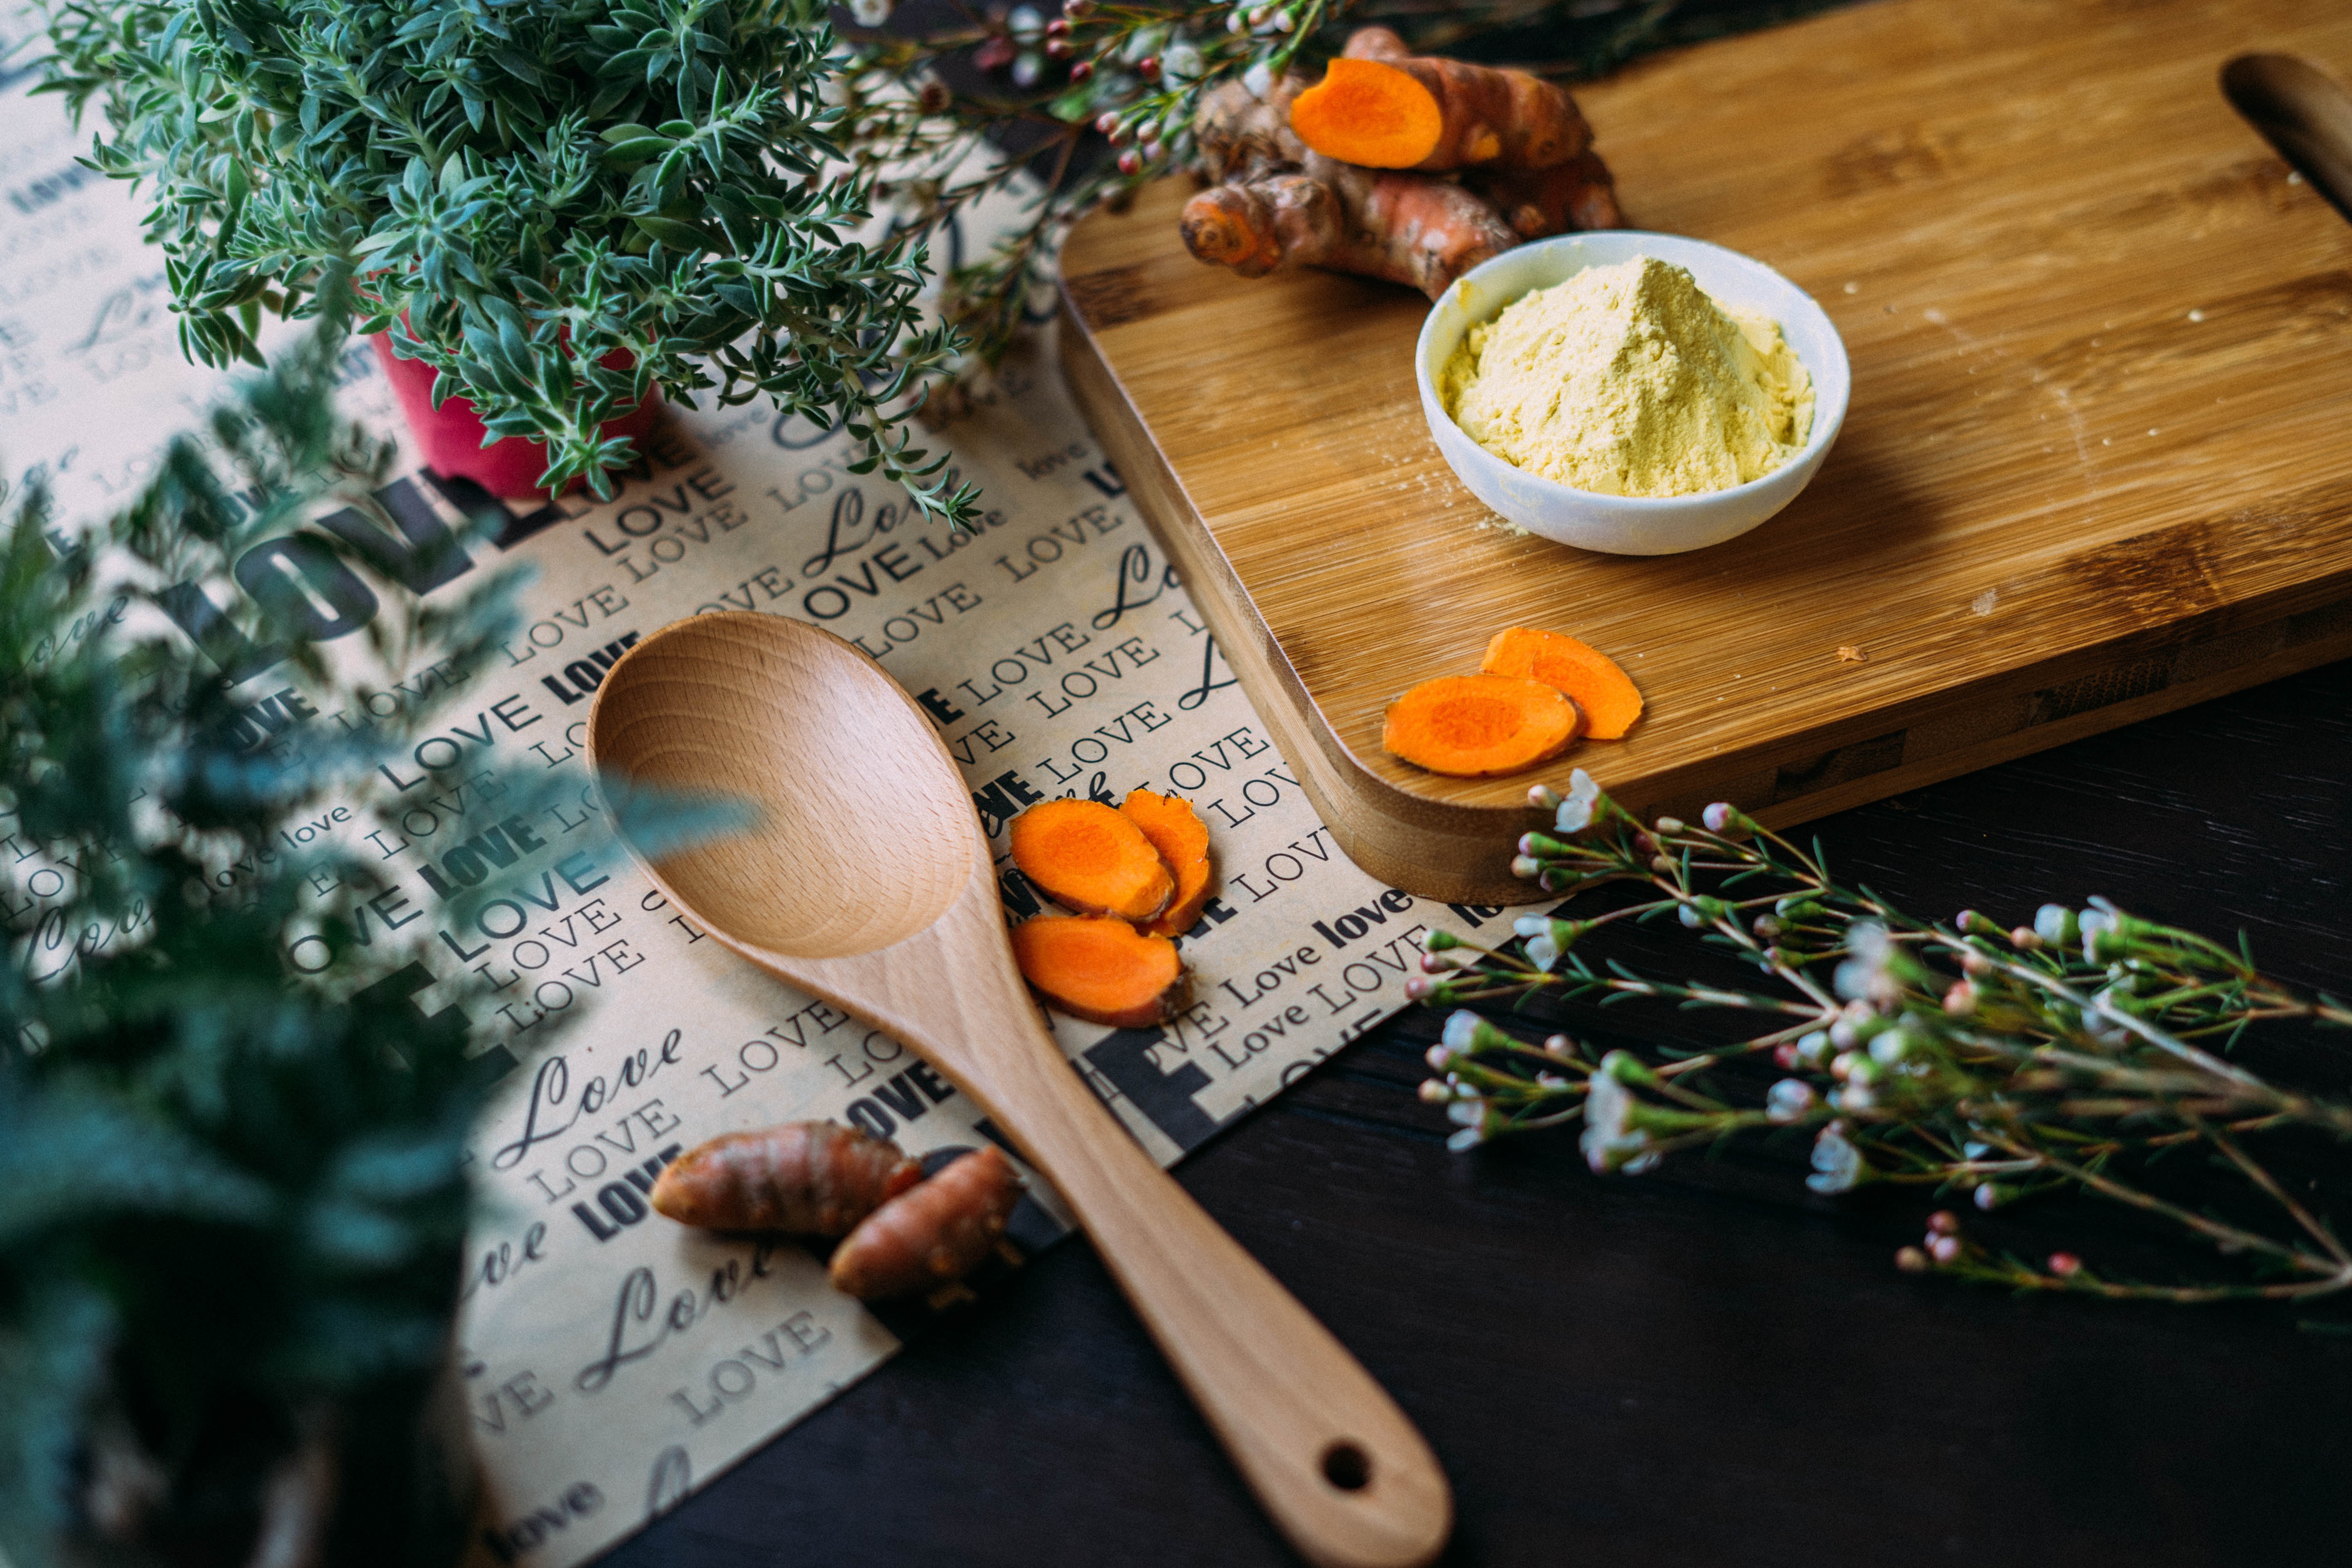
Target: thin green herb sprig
[(557, 204), (2072, 1055)]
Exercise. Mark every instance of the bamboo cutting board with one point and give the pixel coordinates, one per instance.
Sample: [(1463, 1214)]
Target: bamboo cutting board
[(2098, 462)]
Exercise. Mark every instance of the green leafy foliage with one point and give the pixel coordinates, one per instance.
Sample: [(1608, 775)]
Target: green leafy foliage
[(557, 204), (231, 1184)]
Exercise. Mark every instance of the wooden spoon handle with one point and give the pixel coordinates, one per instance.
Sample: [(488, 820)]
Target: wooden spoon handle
[(1337, 1464)]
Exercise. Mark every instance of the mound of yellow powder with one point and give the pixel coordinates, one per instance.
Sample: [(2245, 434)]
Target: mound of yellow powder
[(1628, 379)]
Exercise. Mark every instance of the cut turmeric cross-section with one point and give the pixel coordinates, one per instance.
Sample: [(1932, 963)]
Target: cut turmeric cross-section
[(1369, 114), (1471, 726), (1587, 676), (1086, 857), (1177, 831), (1380, 107), (1104, 970)]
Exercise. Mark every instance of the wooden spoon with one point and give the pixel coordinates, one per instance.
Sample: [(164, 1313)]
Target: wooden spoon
[(867, 882)]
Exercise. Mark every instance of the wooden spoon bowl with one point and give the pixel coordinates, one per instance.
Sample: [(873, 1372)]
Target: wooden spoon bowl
[(867, 881)]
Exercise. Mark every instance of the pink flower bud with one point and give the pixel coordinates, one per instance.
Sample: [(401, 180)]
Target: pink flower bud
[(1786, 1055), (1945, 1249), (1911, 1261), (2065, 1264), (1082, 71), (1943, 1222)]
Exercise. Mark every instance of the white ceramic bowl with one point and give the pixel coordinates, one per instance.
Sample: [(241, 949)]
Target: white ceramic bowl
[(1632, 525)]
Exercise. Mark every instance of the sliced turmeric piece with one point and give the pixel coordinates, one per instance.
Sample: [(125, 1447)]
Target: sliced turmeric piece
[(1104, 970), (940, 1231), (1473, 726), (1177, 831), (1086, 857), (1589, 677), (1383, 108), (1371, 115)]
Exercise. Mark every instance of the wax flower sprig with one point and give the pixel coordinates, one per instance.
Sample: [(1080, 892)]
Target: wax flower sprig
[(1130, 75), (1991, 1065)]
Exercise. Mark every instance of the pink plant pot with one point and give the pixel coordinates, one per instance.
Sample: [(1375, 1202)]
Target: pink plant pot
[(449, 438)]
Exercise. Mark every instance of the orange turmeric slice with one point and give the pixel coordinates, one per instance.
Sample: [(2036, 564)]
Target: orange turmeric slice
[(1177, 831), (1471, 726), (1369, 114), (1589, 677), (1086, 857), (1104, 970)]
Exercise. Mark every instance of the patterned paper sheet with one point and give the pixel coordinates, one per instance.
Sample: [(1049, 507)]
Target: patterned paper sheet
[(612, 1361)]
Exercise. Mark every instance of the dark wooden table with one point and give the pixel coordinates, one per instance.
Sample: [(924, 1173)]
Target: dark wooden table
[(1704, 1365)]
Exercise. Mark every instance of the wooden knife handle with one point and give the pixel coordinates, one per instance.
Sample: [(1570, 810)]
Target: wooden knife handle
[(1337, 1464)]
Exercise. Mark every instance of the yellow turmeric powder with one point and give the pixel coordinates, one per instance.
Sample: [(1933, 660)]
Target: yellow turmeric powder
[(1629, 380)]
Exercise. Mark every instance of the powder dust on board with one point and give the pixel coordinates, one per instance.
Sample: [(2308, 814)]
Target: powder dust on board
[(1629, 380)]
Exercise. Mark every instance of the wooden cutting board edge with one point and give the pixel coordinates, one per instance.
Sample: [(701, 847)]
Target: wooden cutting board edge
[(1462, 854)]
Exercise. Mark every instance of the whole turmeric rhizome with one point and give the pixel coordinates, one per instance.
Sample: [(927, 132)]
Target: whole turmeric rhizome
[(900, 1231)]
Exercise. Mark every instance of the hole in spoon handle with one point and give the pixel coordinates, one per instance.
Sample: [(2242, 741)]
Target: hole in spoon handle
[(1347, 1466)]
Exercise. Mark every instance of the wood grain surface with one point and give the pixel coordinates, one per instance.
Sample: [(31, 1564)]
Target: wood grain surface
[(1708, 1366), (2095, 469)]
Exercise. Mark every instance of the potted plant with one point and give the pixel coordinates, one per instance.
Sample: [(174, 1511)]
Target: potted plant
[(232, 1199), (557, 209)]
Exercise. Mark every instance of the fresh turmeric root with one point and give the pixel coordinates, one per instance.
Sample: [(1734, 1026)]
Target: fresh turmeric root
[(807, 1178), (940, 1231), (1104, 970), (1400, 228), (1244, 137), (1474, 726), (1086, 857), (1570, 197), (1257, 225), (1277, 203), (1382, 108), (1588, 677), (1177, 831)]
